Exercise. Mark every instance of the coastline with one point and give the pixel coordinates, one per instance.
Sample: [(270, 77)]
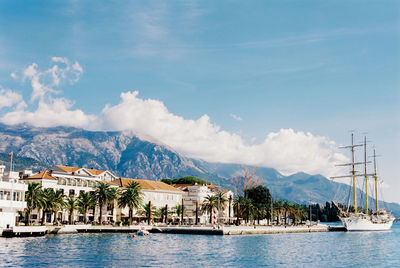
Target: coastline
[(25, 231)]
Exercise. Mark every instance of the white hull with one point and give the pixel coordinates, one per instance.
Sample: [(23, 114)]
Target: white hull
[(357, 223)]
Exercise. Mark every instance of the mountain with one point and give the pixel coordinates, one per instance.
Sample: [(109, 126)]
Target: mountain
[(20, 163), (127, 154), (123, 153)]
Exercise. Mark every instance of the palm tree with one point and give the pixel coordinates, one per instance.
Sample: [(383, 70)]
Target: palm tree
[(71, 205), (52, 201), (236, 207), (85, 201), (48, 202), (286, 207), (162, 211), (297, 212), (146, 210), (221, 200), (131, 197), (33, 198), (104, 193), (59, 202), (278, 205), (247, 208), (209, 203)]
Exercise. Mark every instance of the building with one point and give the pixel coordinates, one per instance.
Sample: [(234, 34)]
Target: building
[(72, 181), (159, 193), (12, 197), (196, 194)]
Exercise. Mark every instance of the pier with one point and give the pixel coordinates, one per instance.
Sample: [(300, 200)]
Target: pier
[(25, 231)]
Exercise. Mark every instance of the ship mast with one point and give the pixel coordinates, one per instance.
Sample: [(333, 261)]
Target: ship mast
[(376, 183), (365, 174), (353, 170)]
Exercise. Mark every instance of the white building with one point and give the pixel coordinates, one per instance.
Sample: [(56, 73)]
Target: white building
[(12, 197), (197, 193), (72, 181), (159, 193)]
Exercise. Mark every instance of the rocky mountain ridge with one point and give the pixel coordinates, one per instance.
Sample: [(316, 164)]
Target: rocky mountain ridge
[(127, 154)]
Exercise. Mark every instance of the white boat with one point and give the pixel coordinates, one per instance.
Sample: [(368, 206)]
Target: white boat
[(142, 232), (380, 220), (363, 222)]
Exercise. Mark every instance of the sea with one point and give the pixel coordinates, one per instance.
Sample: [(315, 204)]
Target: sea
[(326, 249)]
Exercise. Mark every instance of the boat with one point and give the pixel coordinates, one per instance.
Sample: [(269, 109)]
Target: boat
[(142, 232), (380, 220)]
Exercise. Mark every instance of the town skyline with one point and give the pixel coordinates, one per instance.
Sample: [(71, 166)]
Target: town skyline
[(269, 84)]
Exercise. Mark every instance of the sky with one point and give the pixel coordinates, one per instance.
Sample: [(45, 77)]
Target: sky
[(269, 83)]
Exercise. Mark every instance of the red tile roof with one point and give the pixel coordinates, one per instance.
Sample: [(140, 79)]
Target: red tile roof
[(145, 184), (46, 175)]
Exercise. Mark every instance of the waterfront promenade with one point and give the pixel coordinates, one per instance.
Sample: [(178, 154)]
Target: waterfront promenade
[(23, 231)]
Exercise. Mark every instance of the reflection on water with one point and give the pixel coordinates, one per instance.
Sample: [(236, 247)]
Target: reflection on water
[(302, 249)]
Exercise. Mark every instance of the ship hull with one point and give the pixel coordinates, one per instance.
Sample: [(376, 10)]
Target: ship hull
[(365, 224)]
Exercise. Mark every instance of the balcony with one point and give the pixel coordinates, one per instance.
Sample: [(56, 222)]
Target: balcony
[(6, 204), (9, 185)]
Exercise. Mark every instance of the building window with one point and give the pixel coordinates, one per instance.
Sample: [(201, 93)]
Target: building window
[(71, 192)]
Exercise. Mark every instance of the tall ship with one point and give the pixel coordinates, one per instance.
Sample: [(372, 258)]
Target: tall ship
[(367, 220)]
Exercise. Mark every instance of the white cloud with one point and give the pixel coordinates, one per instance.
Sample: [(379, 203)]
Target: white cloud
[(54, 112), (44, 82), (50, 111), (286, 150), (9, 98), (237, 118)]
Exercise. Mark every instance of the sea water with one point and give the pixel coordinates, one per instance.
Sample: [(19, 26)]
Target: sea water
[(326, 249)]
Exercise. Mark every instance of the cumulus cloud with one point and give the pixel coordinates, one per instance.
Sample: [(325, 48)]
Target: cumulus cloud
[(54, 112), (9, 98), (286, 150), (50, 111)]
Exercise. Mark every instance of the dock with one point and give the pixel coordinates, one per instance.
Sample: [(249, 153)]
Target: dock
[(242, 230), (25, 231)]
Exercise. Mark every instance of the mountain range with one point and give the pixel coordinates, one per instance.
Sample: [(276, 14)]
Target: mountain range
[(128, 154)]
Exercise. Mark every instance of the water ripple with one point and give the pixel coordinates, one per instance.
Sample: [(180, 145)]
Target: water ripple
[(335, 249)]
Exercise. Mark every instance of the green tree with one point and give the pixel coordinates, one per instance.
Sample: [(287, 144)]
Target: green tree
[(286, 209), (59, 202), (131, 197), (71, 205), (103, 194), (85, 201), (47, 203), (261, 200), (247, 209), (186, 180), (209, 203), (222, 200), (33, 198), (52, 201), (278, 205), (146, 210)]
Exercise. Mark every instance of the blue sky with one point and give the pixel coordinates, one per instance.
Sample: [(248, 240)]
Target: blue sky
[(324, 67)]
